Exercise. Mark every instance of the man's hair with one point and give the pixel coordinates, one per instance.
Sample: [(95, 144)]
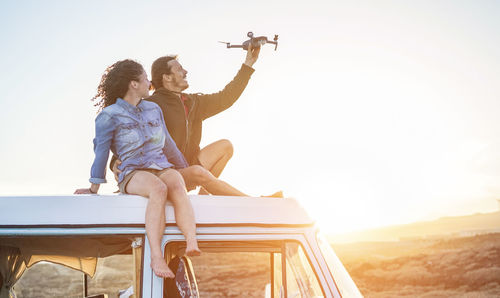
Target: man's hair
[(115, 81), (159, 68)]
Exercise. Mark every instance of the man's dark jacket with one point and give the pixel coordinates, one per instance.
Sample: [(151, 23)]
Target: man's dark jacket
[(187, 132)]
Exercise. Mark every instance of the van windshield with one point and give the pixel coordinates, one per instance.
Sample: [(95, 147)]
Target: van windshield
[(242, 269), (343, 280)]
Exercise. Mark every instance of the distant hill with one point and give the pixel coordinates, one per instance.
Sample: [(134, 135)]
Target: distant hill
[(456, 226)]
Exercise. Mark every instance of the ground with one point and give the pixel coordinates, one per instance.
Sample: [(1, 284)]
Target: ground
[(450, 267)]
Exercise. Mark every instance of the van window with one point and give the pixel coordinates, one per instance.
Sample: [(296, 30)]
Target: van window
[(244, 269), (76, 266), (232, 274), (46, 279)]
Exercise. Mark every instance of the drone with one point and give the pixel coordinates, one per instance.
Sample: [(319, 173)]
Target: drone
[(256, 42)]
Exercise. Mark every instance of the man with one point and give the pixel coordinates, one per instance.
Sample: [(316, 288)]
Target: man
[(184, 114)]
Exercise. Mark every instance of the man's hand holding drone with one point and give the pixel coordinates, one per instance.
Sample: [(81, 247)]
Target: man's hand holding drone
[(252, 55)]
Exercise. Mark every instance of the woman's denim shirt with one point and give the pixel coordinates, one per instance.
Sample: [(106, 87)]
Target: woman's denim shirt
[(137, 135)]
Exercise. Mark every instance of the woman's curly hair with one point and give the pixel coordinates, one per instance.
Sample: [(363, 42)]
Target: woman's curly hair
[(115, 81)]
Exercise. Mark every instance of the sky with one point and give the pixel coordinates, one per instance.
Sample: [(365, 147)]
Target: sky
[(370, 113)]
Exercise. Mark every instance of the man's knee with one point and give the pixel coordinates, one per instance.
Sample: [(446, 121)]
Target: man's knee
[(227, 147)]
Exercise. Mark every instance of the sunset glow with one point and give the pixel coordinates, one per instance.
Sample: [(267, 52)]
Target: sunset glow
[(369, 114)]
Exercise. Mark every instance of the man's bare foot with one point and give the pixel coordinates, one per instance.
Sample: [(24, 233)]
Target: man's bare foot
[(278, 194), (160, 268), (192, 249)]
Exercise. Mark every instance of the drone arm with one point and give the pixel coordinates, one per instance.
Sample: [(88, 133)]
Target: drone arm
[(275, 43)]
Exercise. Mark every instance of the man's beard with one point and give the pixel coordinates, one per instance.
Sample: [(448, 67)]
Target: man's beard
[(182, 85)]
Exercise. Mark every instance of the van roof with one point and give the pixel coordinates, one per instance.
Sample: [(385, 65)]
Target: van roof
[(128, 210)]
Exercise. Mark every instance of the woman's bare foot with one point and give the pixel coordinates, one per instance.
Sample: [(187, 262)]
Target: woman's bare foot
[(192, 249), (160, 268)]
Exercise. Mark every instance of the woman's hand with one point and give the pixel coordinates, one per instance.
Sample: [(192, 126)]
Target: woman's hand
[(83, 191), (92, 190), (116, 171)]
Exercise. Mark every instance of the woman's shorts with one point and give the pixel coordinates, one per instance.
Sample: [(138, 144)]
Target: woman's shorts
[(123, 185)]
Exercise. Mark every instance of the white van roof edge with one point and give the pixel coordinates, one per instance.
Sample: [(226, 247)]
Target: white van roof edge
[(74, 210)]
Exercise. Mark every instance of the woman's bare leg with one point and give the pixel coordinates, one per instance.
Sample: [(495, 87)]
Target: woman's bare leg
[(184, 215), (148, 185)]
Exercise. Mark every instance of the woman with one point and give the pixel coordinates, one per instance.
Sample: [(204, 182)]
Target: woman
[(135, 131)]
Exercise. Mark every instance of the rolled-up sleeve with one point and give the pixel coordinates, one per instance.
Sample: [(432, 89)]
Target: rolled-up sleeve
[(104, 127)]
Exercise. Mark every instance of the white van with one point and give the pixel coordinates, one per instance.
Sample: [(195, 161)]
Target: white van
[(252, 247)]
